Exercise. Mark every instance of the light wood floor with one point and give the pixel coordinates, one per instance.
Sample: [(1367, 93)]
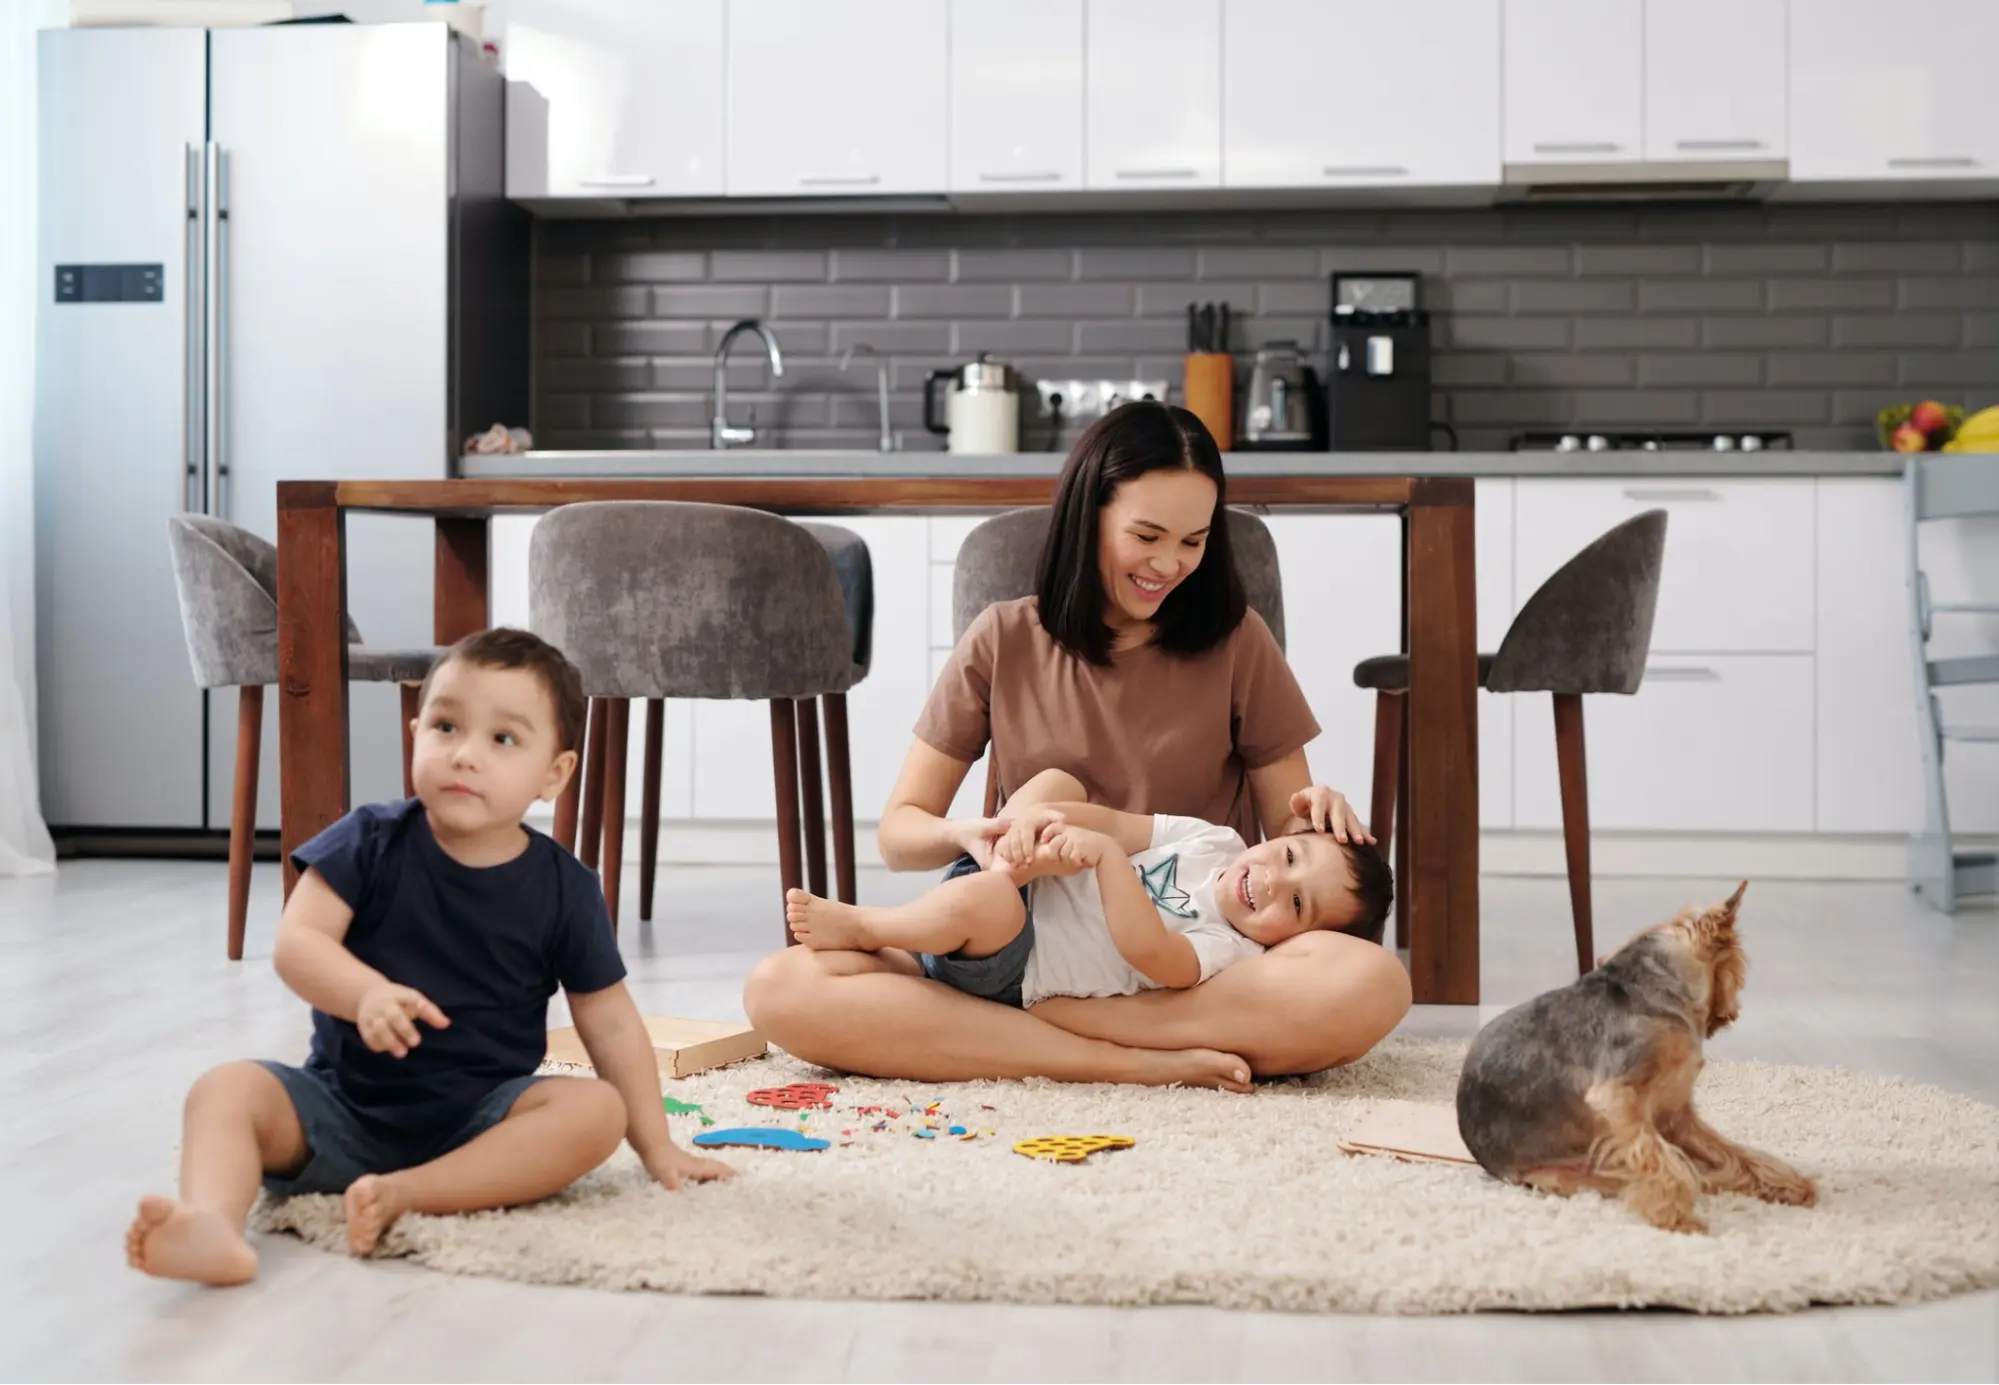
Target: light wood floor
[(114, 995)]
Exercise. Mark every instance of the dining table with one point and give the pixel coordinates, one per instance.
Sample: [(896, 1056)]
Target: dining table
[(1439, 800)]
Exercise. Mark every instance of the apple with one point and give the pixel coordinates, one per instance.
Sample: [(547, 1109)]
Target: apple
[(1909, 438), (1929, 417)]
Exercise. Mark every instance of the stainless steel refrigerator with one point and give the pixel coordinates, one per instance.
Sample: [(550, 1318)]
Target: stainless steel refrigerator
[(265, 253)]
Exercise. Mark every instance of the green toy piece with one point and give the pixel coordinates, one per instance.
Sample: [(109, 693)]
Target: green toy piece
[(680, 1108)]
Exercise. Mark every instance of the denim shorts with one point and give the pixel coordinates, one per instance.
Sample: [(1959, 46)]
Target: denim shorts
[(341, 1147), (997, 977)]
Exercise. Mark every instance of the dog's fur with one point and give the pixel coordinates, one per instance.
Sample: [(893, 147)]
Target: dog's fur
[(1591, 1086)]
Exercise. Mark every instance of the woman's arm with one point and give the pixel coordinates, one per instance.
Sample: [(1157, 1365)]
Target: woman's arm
[(915, 833), (1272, 787)]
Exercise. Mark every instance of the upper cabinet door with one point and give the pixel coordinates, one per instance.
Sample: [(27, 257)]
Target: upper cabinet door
[(1574, 81), (1016, 95), (830, 97), (1887, 89), (1714, 80), (1288, 126), (1154, 93), (633, 93)]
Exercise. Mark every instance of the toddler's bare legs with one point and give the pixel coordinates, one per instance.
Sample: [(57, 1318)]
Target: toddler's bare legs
[(236, 1125), (973, 914), (559, 1130)]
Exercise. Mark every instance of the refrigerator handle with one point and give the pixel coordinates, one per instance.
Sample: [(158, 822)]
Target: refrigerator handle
[(193, 443), (217, 288)]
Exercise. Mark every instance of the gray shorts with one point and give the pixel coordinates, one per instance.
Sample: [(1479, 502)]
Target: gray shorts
[(997, 977), (340, 1147)]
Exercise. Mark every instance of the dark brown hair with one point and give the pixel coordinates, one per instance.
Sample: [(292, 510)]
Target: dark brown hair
[(1128, 442), (1373, 886), (506, 647)]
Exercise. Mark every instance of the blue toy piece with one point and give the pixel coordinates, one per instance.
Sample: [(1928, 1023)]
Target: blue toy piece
[(763, 1136)]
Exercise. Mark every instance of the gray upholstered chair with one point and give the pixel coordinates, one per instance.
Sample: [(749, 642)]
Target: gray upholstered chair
[(1587, 629), (227, 579), (663, 599), (1000, 559)]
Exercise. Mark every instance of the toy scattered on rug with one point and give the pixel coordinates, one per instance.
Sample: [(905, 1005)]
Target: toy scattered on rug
[(675, 1107), (760, 1137), (1410, 1130), (797, 1096), (1071, 1149)]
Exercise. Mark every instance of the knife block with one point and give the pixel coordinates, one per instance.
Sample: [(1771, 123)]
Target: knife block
[(1210, 389)]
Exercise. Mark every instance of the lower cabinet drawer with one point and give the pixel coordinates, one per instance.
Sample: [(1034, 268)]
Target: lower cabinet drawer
[(1717, 743)]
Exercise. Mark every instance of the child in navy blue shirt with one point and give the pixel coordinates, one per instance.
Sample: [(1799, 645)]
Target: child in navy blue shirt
[(429, 935)]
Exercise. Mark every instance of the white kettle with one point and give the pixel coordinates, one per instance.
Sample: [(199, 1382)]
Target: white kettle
[(981, 407)]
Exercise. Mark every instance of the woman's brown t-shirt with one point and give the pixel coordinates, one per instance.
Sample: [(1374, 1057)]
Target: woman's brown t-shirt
[(1152, 733)]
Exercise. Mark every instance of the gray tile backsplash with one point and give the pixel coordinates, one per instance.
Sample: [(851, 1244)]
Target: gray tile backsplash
[(1805, 318)]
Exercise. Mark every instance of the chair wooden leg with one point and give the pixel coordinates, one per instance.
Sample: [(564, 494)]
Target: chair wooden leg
[(593, 784), (411, 703), (243, 810), (811, 794), (569, 802), (617, 726), (1400, 829), (1571, 763), (649, 804), (1388, 708), (784, 770), (840, 783)]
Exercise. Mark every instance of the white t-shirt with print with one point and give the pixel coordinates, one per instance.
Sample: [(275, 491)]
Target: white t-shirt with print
[(1073, 952)]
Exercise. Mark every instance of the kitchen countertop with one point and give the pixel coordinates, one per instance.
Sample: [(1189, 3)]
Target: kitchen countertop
[(769, 463)]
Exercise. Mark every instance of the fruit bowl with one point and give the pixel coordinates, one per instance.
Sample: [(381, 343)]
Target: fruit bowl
[(1923, 427)]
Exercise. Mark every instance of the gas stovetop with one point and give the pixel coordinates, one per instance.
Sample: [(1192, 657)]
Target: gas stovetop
[(1584, 441)]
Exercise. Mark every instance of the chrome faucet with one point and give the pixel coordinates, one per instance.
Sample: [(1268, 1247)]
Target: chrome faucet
[(720, 434), (886, 442)]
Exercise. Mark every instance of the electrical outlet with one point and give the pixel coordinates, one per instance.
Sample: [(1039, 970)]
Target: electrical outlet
[(1079, 400), (1116, 392)]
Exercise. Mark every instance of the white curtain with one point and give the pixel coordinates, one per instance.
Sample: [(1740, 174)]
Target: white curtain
[(25, 848)]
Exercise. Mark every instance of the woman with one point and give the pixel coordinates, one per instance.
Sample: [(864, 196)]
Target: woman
[(1138, 668)]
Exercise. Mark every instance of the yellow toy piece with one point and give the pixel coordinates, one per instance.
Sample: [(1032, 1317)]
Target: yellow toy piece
[(1070, 1149)]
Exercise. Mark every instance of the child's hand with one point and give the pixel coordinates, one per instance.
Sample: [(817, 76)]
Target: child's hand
[(1079, 848), (1320, 809), (1017, 847), (387, 1017), (672, 1166)]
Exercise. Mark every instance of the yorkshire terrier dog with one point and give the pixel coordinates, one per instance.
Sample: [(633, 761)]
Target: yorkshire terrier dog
[(1591, 1086)]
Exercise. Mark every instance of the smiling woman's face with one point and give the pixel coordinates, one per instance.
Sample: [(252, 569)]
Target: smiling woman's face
[(1150, 536)]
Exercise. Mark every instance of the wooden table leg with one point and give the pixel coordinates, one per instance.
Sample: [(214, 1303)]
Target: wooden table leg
[(1442, 792), (312, 664), (460, 588)]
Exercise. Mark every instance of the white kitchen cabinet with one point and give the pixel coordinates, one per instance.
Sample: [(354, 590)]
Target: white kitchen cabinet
[(1717, 743), (1016, 95), (1153, 103), (1714, 80), (1884, 90), (627, 97), (1739, 570), (1286, 126), (837, 97), (1573, 77)]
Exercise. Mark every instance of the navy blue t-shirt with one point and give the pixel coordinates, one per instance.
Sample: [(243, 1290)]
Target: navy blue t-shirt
[(489, 945)]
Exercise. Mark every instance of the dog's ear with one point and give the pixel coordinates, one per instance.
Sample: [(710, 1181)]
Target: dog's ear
[(1734, 901)]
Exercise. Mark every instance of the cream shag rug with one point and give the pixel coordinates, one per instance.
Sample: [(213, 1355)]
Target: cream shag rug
[(1244, 1202)]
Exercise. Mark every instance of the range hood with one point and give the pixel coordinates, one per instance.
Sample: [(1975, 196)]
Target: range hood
[(1731, 180)]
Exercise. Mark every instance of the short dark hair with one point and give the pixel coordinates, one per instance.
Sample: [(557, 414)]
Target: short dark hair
[(1373, 885), (503, 646), (1128, 442)]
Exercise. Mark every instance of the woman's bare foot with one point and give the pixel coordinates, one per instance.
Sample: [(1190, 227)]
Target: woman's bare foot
[(1192, 1067), (172, 1240), (826, 925), (371, 1206)]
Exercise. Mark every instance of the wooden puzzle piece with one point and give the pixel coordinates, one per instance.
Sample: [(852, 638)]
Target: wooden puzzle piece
[(760, 1137), (1070, 1149), (797, 1096)]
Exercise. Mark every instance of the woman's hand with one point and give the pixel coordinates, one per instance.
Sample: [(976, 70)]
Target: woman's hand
[(1018, 845), (1320, 809), (976, 836)]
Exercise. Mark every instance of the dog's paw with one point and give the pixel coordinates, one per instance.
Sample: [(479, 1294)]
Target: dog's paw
[(1788, 1189), (1683, 1223)]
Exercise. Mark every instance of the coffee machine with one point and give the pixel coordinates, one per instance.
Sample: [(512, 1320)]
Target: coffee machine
[(1378, 376)]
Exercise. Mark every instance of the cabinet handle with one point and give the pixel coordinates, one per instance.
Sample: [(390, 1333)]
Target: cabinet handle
[(857, 180), (1943, 161), (618, 180), (1716, 145), (1670, 493), (1157, 173), (1682, 673), (1046, 176), (1578, 147), (1364, 171)]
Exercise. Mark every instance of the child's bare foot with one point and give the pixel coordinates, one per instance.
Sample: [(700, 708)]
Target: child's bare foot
[(827, 925), (1194, 1067), (172, 1240), (371, 1206)]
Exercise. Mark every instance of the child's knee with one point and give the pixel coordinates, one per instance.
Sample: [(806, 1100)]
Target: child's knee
[(241, 1086)]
